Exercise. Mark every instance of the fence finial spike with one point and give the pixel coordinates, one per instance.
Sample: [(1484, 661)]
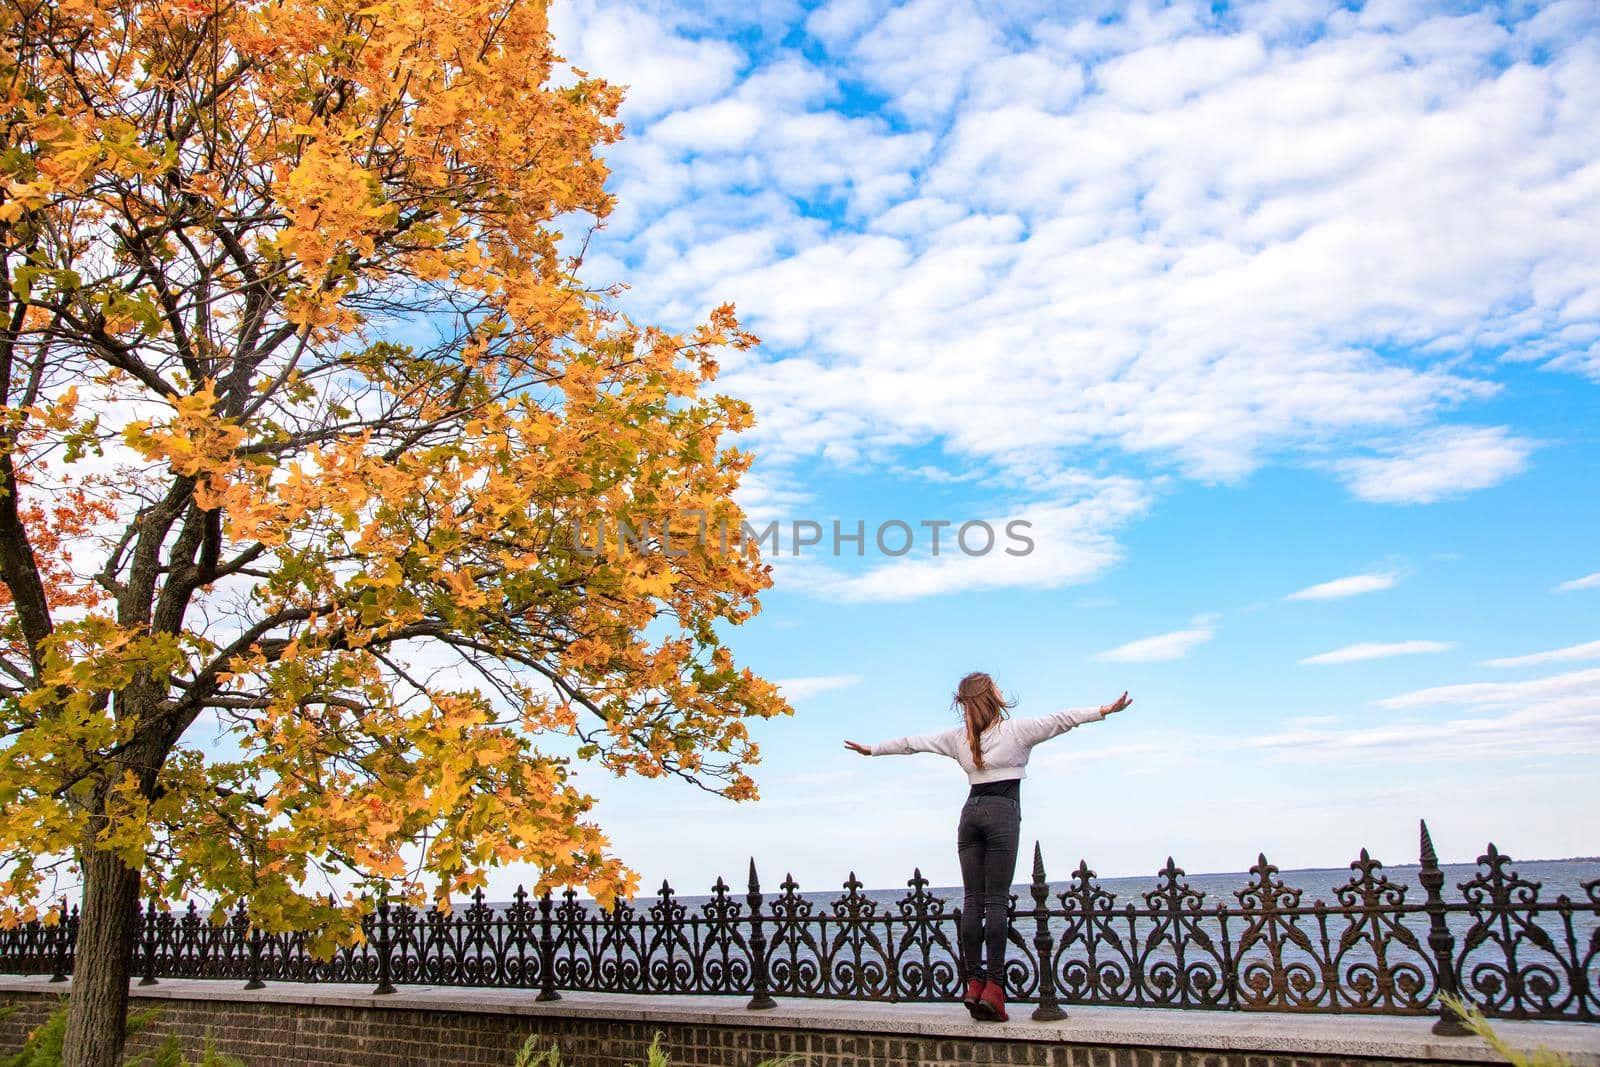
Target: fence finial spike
[(1429, 856), (1038, 863)]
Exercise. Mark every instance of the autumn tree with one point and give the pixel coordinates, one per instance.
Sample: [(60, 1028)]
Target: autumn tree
[(303, 398)]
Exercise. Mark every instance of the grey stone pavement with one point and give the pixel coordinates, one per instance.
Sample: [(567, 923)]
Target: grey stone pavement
[(1386, 1037)]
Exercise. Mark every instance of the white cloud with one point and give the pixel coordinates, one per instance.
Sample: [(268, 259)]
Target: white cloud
[(1574, 685), (1055, 544), (1437, 465), (627, 45), (1283, 252), (724, 125), (1161, 648), (922, 52), (1163, 75), (1572, 653), (1025, 76), (838, 20), (1543, 717), (797, 689), (924, 215), (764, 499), (1588, 581), (1162, 750), (1553, 729), (1365, 650), (1339, 588), (1568, 357)]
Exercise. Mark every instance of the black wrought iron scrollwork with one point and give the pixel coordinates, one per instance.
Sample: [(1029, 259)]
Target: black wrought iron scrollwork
[(1375, 947), (1187, 973), (1281, 970), (855, 959), (1092, 963), (1508, 962), (793, 951), (722, 952), (921, 953), (1378, 962)]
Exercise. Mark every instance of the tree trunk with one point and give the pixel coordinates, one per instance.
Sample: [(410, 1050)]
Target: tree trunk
[(97, 1010)]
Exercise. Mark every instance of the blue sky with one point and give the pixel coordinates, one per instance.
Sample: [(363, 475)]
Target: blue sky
[(1231, 303)]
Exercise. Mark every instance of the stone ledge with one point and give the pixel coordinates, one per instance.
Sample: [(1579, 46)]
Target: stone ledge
[(1368, 1036)]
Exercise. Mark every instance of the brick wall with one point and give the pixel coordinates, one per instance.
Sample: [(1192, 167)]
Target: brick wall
[(294, 1035)]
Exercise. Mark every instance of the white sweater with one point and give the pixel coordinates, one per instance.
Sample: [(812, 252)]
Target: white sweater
[(1005, 744)]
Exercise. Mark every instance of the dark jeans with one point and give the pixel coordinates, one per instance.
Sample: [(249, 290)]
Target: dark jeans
[(986, 840)]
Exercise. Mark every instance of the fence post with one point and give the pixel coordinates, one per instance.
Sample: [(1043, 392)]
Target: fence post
[(150, 944), (547, 951), (964, 968), (1440, 939), (1049, 1009), (758, 948), (385, 987), (252, 972), (63, 934)]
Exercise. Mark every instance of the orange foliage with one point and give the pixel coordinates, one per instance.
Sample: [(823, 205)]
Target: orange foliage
[(224, 226)]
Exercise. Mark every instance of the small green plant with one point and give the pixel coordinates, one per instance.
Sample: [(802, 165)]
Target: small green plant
[(1474, 1020), (531, 1056), (43, 1047), (170, 1054), (655, 1056)]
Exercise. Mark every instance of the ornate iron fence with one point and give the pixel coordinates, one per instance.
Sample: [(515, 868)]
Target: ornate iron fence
[(1498, 944)]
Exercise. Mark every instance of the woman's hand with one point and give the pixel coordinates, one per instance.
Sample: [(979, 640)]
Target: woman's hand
[(1121, 702), (863, 749)]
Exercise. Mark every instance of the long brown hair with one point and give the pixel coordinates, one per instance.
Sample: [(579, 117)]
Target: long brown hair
[(982, 705)]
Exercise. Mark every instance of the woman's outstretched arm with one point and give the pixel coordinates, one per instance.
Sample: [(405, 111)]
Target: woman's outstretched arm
[(1032, 731), (944, 743)]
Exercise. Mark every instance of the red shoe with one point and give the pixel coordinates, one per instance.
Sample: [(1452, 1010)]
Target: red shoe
[(994, 999), (973, 999)]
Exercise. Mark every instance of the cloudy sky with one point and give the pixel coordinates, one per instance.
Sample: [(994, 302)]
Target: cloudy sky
[(1278, 322)]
